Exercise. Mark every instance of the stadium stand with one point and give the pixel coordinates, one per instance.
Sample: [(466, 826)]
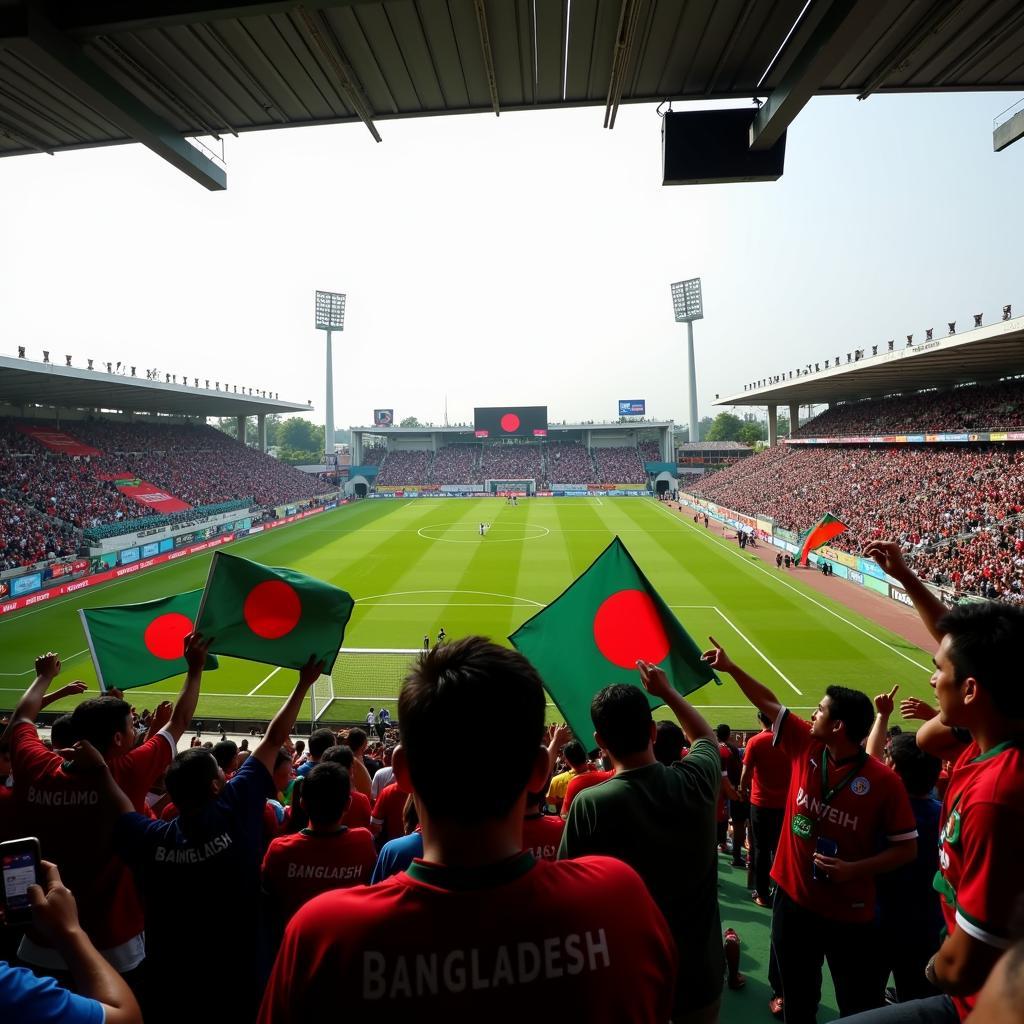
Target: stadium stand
[(569, 462), (456, 464), (27, 537), (953, 509), (619, 465), (404, 467), (971, 408), (512, 462), (650, 451)]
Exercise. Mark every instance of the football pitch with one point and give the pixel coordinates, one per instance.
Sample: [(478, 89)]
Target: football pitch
[(415, 566)]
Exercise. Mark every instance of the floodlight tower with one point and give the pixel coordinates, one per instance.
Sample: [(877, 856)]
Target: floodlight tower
[(688, 306), (330, 316)]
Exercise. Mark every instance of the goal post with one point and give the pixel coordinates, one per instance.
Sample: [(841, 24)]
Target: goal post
[(500, 488), (363, 677)]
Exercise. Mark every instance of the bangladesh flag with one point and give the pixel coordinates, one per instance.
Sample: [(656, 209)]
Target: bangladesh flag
[(138, 644), (594, 633), (277, 616), (827, 527)]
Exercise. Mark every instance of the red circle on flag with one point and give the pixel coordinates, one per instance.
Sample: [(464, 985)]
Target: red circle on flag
[(627, 629), (272, 609), (165, 635), (510, 422)]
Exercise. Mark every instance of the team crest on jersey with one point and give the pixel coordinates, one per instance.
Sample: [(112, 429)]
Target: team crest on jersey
[(860, 786), (952, 830)]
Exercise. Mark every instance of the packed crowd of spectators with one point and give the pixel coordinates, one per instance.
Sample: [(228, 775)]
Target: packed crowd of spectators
[(619, 465), (970, 408), (402, 466), (551, 883), (26, 537), (456, 464), (943, 504), (569, 462), (51, 497), (373, 455), (650, 451), (512, 462)]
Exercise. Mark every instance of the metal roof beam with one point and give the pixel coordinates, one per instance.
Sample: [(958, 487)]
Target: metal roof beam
[(841, 24), (57, 56)]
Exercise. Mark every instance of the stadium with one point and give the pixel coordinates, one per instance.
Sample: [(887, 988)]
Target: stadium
[(296, 676)]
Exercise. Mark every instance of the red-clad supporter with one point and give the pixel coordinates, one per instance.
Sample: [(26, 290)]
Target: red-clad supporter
[(478, 929), (982, 837), (576, 763), (359, 809), (326, 854), (209, 856), (848, 819), (619, 465), (64, 809), (388, 818), (765, 782), (582, 781)]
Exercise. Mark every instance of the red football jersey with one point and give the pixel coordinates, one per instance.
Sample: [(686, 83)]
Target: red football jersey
[(982, 846), (358, 813), (390, 810), (870, 807), (300, 866), (580, 782), (500, 944), (64, 810), (541, 834), (769, 771)]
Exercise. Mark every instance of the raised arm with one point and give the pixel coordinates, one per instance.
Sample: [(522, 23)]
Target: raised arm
[(690, 720), (884, 703), (926, 604), (33, 699), (559, 737), (196, 649), (757, 693), (55, 913), (284, 720), (939, 740)]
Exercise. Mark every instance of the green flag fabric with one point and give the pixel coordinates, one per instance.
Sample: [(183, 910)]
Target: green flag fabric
[(276, 616), (138, 644), (824, 530), (594, 633)]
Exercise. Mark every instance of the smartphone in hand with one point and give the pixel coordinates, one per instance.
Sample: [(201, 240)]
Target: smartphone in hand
[(19, 868)]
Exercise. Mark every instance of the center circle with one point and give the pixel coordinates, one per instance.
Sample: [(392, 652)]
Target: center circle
[(627, 629), (165, 636), (510, 422), (272, 609), (469, 533)]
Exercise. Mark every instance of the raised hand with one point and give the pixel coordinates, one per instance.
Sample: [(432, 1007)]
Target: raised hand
[(718, 659), (311, 671), (914, 707), (654, 679), (560, 736), (48, 665), (884, 702), (54, 911), (161, 716), (196, 649), (888, 555)]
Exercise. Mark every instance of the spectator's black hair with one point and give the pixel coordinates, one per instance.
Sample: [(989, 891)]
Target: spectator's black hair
[(357, 740), (325, 793), (99, 720), (188, 779), (986, 640), (62, 732), (319, 741), (622, 718), (853, 709), (764, 719), (298, 819), (449, 692), (723, 732), (340, 754), (224, 753), (300, 747), (918, 770), (574, 753), (668, 742), (280, 757)]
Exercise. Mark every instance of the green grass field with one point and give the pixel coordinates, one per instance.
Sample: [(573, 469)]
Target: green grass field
[(416, 565)]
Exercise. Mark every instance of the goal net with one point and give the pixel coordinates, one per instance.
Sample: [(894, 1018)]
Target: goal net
[(363, 677)]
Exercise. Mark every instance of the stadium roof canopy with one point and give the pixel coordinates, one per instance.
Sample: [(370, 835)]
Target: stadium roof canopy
[(23, 382), (102, 72), (985, 354)]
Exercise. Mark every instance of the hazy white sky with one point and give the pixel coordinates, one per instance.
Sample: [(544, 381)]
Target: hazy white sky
[(520, 260)]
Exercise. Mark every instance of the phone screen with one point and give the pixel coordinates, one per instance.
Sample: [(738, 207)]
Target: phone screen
[(828, 847), (19, 872)]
